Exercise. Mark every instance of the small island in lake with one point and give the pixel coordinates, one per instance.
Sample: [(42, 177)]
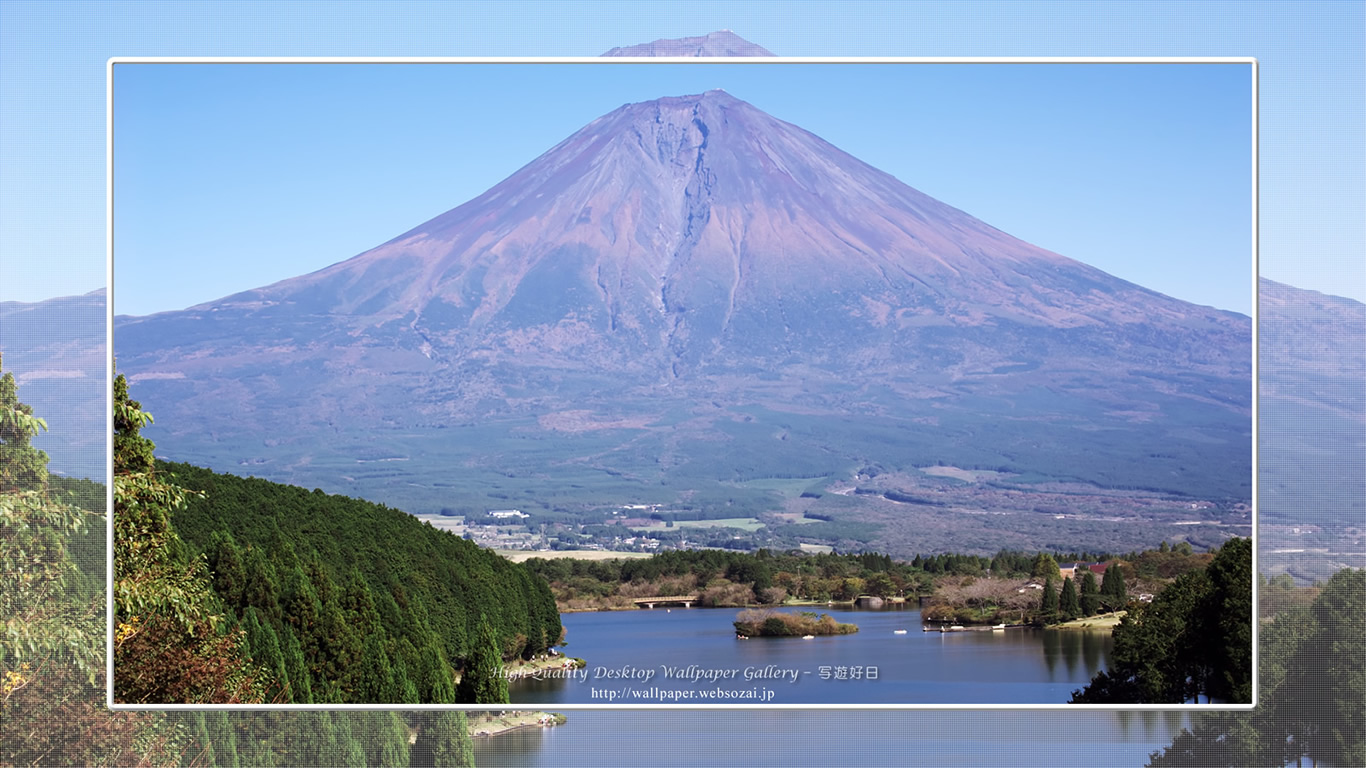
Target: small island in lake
[(765, 622)]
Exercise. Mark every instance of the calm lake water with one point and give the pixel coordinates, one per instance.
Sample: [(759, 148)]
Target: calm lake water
[(663, 739), (627, 653)]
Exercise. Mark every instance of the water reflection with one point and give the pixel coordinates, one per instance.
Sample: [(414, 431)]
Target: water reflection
[(814, 738), (1081, 652)]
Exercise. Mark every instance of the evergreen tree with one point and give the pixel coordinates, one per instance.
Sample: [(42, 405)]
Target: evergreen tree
[(1068, 604), (296, 667), (1113, 593), (1158, 656), (229, 575), (1312, 687), (385, 740), (1224, 621), (1048, 603), (1045, 567), (264, 646), (261, 587), (433, 680), (482, 681), (443, 740), (1090, 595)]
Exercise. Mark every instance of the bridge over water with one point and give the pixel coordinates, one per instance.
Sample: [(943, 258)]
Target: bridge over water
[(650, 602)]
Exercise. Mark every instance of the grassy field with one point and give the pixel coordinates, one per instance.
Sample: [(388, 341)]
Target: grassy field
[(788, 487), (1099, 621), (518, 555), (743, 523)]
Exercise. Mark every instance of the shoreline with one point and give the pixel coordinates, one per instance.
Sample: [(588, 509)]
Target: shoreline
[(847, 604), (542, 666), (488, 725)]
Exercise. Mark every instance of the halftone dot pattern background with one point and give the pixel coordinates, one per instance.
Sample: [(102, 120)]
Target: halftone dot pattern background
[(1313, 235)]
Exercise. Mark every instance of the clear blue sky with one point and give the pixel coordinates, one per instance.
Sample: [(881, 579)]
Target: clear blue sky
[(52, 86), (228, 177)]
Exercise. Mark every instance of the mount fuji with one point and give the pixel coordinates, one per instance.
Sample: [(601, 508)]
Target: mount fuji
[(684, 297)]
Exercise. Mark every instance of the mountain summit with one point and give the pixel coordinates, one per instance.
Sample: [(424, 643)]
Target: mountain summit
[(720, 43), (669, 278), (700, 229)]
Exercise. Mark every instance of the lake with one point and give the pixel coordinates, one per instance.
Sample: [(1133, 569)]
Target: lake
[(692, 656), (795, 738)]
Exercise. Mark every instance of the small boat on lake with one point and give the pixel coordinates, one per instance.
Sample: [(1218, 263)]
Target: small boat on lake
[(898, 631), (808, 637)]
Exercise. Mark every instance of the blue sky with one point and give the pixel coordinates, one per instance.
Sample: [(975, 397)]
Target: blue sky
[(52, 84), (232, 176)]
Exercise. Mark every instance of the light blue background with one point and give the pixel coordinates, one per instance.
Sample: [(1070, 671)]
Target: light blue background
[(1313, 173)]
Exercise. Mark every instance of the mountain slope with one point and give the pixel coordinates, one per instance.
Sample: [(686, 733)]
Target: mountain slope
[(1312, 430), (689, 293), (55, 348)]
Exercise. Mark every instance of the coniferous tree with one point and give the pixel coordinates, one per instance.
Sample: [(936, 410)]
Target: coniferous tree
[(443, 741), (1113, 592), (1048, 603), (1090, 595), (433, 681), (1068, 604), (296, 667), (386, 739), (229, 574), (1045, 567), (264, 646), (482, 681)]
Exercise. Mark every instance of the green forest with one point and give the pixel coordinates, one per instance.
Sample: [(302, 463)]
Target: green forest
[(349, 601), (323, 599)]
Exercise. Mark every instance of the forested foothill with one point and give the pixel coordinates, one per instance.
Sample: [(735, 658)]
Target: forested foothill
[(232, 589), (370, 603)]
